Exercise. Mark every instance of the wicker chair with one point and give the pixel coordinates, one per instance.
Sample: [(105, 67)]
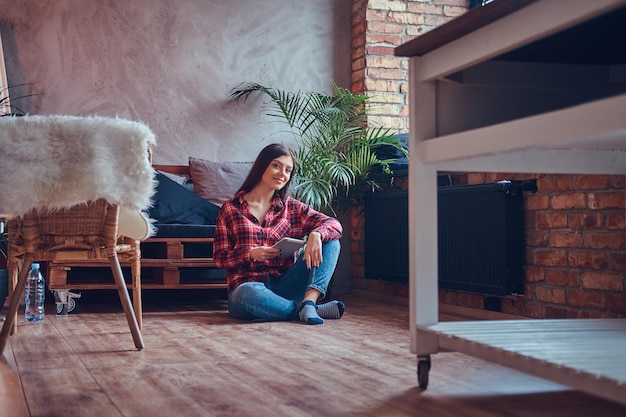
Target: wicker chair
[(82, 232), (89, 170)]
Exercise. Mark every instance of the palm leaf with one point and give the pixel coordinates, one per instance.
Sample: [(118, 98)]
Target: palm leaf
[(336, 151)]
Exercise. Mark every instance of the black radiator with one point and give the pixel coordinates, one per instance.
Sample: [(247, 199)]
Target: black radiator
[(481, 237)]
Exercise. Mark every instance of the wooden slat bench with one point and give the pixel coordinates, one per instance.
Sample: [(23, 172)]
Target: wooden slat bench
[(166, 263)]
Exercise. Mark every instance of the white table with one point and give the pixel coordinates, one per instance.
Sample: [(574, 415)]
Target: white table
[(474, 113)]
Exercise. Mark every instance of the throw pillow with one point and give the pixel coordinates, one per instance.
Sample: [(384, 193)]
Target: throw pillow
[(217, 181), (174, 204), (180, 179)]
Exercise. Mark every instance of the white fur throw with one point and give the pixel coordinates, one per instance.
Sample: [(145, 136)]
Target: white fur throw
[(52, 162)]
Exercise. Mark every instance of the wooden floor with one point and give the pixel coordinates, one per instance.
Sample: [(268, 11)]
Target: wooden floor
[(200, 362)]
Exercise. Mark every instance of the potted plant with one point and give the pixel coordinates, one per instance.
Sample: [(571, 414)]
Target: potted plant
[(6, 106), (336, 149)]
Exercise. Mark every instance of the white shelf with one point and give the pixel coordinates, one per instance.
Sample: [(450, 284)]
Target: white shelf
[(580, 139), (582, 132)]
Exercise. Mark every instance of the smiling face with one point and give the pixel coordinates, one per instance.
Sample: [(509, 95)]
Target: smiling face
[(278, 172)]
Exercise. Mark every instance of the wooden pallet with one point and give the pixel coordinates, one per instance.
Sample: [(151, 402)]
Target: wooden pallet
[(166, 263)]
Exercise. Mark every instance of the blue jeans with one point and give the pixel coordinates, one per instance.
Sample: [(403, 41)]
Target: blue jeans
[(280, 298)]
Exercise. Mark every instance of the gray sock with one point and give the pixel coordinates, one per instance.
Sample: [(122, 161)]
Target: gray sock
[(331, 310), (308, 313)]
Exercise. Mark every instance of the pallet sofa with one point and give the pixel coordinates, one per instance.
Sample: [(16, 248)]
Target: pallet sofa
[(180, 255)]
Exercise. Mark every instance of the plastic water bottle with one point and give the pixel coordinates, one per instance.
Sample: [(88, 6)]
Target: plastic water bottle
[(34, 294)]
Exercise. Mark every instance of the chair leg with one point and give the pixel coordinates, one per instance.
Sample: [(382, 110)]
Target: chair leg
[(136, 277), (125, 299), (14, 304), (14, 274)]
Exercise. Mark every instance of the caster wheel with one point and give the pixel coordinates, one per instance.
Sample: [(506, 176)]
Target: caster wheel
[(423, 368), (71, 305)]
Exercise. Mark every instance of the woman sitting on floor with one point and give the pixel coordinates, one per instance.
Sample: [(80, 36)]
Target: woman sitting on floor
[(262, 284)]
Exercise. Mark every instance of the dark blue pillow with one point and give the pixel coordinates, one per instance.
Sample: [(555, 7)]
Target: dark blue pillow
[(175, 204)]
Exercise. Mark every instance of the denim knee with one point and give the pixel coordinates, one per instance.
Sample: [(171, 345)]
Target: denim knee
[(240, 298), (253, 300)]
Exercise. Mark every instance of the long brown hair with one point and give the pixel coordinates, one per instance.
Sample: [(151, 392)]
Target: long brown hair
[(263, 160)]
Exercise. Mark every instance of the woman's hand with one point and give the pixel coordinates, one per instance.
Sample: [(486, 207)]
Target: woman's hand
[(313, 250), (263, 253)]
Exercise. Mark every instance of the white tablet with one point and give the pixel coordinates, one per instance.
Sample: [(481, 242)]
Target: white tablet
[(288, 246)]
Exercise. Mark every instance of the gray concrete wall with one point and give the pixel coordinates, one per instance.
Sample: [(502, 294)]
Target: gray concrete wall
[(171, 64)]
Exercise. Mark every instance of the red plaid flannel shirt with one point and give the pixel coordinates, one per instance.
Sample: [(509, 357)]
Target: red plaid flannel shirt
[(238, 231)]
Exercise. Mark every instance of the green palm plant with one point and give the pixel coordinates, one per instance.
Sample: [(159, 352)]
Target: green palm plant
[(7, 108), (336, 150)]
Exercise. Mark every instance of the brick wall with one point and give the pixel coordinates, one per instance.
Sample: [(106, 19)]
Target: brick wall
[(378, 26), (575, 256)]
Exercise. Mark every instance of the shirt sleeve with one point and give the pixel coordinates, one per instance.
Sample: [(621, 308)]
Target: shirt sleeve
[(314, 221), (227, 253)]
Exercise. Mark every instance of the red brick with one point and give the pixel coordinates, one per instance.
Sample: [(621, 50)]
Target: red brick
[(357, 234), (616, 221), (448, 297), (550, 220), (562, 278), (533, 274), (425, 8), (359, 27), (383, 62), (463, 3), (590, 260), (536, 202), (385, 27), (435, 20), (550, 295), (607, 200), (386, 74), (528, 309), (358, 65), (375, 285), (568, 201), (380, 50), (618, 181), (357, 216), (576, 298), (358, 75), (452, 11), (585, 220), (357, 271), (617, 303), (537, 238), (357, 259), (358, 246), (590, 182), (471, 300), (617, 262), (359, 41), (376, 15), (358, 5), (358, 283), (357, 86), (529, 290), (559, 239), (607, 240), (552, 312), (400, 290), (588, 314), (603, 281), (552, 183), (384, 38), (550, 258)]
